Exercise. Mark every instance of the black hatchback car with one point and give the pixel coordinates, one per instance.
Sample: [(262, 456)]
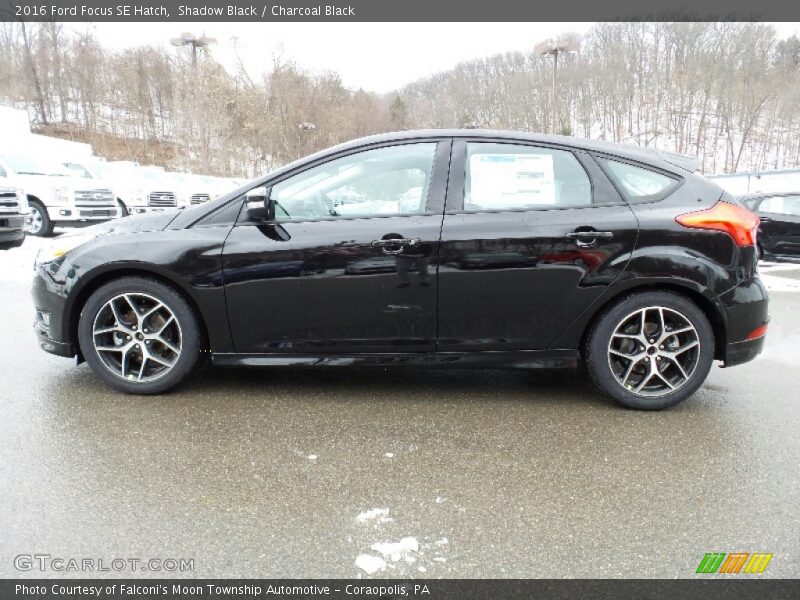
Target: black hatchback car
[(779, 231), (451, 248)]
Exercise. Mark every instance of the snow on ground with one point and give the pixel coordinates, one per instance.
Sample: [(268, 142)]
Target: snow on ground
[(780, 277), (16, 264), (405, 554), (378, 515), (405, 550), (370, 564)]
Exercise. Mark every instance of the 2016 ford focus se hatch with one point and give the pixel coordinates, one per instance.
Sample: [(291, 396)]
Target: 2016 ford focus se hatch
[(451, 248)]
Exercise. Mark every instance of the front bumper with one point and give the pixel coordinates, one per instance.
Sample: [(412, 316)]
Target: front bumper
[(52, 346), (61, 214), (49, 288), (148, 210), (12, 231)]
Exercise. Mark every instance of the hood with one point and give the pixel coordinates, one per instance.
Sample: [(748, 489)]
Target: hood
[(133, 224), (71, 183)]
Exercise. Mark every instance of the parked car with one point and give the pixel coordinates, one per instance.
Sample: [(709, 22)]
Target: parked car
[(779, 228), (190, 189), (56, 197), (13, 210), (140, 189), (87, 170), (276, 276)]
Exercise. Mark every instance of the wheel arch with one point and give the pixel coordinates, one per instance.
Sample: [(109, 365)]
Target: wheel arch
[(101, 278), (711, 311)]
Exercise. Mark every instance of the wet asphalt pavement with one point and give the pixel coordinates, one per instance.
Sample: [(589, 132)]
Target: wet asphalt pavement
[(277, 472)]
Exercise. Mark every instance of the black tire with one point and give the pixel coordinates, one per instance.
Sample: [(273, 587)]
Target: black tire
[(123, 210), (191, 334), (39, 215), (598, 362)]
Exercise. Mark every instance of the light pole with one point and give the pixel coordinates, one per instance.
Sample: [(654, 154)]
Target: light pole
[(554, 48), (190, 39)]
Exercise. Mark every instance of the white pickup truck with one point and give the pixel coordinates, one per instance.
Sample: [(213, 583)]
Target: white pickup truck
[(13, 210), (56, 197), (140, 190)]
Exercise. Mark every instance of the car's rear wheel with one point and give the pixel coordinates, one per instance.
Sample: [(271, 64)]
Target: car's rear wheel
[(39, 223), (140, 335), (650, 350)]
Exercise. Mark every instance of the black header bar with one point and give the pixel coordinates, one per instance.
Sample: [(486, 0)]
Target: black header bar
[(397, 10), (727, 588)]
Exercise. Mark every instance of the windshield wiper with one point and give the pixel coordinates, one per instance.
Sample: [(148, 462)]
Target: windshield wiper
[(28, 173)]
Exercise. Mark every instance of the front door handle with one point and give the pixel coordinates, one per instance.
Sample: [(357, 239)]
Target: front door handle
[(396, 246)]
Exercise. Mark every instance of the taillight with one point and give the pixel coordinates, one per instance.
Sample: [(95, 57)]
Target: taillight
[(757, 333), (736, 221)]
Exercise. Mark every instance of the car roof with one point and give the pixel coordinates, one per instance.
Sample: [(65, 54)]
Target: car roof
[(658, 158)]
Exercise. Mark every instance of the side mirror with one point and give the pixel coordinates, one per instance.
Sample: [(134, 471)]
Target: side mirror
[(260, 207)]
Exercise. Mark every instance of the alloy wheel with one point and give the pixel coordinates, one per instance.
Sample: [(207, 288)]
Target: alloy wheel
[(36, 221), (137, 337), (654, 351)]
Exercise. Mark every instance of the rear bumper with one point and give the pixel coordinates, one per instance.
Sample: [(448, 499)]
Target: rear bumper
[(746, 310), (742, 352)]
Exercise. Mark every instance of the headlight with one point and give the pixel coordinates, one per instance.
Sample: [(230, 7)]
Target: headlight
[(139, 197), (61, 245), (23, 202)]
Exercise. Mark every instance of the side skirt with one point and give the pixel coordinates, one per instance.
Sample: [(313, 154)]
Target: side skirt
[(518, 359)]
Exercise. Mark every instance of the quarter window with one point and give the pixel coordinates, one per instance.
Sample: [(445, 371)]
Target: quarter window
[(384, 181), (517, 177), (638, 182)]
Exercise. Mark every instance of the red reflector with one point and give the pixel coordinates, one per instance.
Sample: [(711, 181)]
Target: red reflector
[(736, 221), (757, 333)]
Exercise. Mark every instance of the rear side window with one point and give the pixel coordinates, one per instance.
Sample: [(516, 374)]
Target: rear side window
[(517, 177), (637, 182), (2, 172)]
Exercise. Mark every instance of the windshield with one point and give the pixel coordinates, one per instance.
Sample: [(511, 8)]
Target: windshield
[(33, 165), (78, 170)]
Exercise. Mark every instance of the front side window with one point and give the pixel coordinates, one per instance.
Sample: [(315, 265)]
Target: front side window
[(517, 177), (385, 181), (781, 205), (637, 182)]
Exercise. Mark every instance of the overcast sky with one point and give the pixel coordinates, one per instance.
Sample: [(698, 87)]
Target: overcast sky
[(378, 57)]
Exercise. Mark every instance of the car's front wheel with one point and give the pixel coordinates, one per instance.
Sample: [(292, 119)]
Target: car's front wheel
[(140, 335), (39, 223), (650, 350)]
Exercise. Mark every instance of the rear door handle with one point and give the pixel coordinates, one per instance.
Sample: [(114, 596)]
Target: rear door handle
[(396, 246), (589, 235)]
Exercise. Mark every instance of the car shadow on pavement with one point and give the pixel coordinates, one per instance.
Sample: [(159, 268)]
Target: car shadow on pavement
[(396, 384)]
